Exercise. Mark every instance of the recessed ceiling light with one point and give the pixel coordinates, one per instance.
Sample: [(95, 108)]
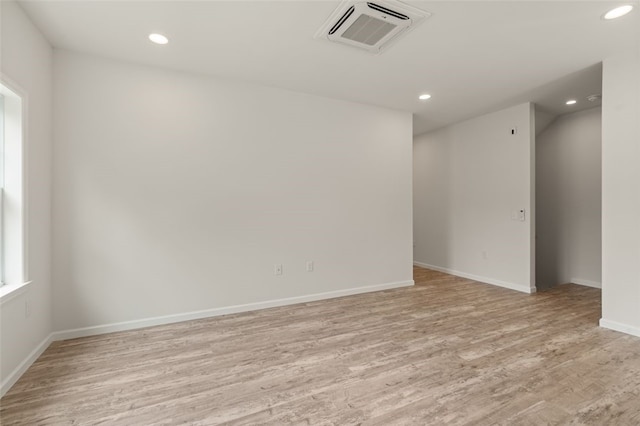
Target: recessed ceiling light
[(572, 102), (424, 97), (618, 12), (158, 38)]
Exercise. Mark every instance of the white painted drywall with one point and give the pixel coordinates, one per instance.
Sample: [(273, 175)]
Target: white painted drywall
[(177, 193), (469, 178), (26, 64), (621, 193), (543, 120), (569, 200)]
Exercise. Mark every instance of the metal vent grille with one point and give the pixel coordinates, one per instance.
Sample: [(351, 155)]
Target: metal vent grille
[(368, 30), (388, 11), (371, 26), (338, 24)]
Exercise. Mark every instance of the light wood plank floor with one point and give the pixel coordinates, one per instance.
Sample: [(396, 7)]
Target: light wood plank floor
[(447, 351)]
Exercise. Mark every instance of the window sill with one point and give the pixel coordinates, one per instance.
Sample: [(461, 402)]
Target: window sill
[(11, 291)]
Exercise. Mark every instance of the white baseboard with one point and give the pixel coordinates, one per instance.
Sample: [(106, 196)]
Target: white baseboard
[(486, 280), (617, 326), (13, 377), (168, 319), (587, 283)]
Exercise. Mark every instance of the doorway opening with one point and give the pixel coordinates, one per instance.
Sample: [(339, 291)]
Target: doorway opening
[(569, 190)]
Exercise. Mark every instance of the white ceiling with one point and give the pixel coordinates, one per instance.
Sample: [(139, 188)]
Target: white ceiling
[(472, 56)]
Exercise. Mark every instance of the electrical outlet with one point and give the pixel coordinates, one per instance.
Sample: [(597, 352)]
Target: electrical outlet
[(309, 265), (277, 269)]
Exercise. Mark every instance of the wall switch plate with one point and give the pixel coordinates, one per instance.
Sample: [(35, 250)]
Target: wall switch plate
[(309, 265), (277, 269), (514, 130)]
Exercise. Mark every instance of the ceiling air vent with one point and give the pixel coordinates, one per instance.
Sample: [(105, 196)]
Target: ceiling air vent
[(370, 25)]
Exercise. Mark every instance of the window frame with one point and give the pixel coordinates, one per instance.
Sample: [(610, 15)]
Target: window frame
[(13, 228)]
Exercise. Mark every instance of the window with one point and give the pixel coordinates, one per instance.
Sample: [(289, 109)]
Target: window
[(12, 231)]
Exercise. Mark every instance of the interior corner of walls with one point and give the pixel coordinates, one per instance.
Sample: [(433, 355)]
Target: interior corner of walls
[(27, 69), (19, 370), (478, 278), (586, 283), (14, 376)]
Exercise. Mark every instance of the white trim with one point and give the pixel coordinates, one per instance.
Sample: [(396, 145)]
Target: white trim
[(11, 291), (168, 319), (13, 377), (586, 283), (17, 101), (618, 326), (486, 280)]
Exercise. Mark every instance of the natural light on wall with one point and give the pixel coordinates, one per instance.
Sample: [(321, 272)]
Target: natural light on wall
[(12, 266)]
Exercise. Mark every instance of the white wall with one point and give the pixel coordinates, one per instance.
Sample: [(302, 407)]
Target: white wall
[(27, 66), (543, 120), (569, 200), (621, 193), (177, 193), (469, 178)]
